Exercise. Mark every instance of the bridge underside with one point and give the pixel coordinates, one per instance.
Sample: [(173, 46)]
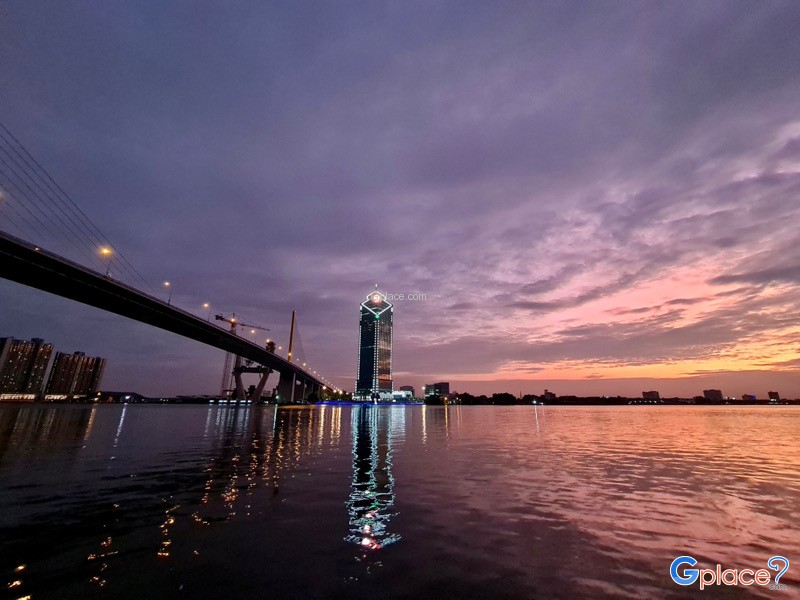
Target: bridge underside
[(29, 265)]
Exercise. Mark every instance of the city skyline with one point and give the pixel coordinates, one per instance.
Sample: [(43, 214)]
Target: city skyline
[(28, 373), (589, 199)]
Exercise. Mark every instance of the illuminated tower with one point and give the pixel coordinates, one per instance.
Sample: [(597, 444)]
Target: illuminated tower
[(375, 346)]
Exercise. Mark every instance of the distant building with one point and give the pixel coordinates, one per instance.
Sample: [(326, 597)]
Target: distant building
[(440, 389), (548, 395), (748, 397), (408, 388), (22, 367), (75, 375), (654, 395), (402, 396), (374, 377), (713, 395), (774, 396)]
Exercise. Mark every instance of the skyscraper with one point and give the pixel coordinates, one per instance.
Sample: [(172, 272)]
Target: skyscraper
[(23, 365), (375, 346)]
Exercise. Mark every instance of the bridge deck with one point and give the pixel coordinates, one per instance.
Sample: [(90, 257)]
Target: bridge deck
[(30, 265)]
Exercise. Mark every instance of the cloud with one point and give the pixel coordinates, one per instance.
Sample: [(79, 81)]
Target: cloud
[(789, 151), (571, 186), (683, 301), (762, 277)]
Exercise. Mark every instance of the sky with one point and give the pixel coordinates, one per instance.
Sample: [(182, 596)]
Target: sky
[(594, 198)]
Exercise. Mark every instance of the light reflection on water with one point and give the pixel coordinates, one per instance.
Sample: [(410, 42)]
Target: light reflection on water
[(372, 491), (140, 501)]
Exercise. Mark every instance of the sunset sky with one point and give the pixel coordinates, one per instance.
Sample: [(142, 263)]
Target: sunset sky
[(594, 197)]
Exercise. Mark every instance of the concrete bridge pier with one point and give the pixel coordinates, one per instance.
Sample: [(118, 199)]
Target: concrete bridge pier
[(238, 392), (260, 387), (302, 386), (309, 388), (286, 388), (304, 391)]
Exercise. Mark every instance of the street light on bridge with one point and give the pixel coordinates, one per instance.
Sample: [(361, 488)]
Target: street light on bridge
[(105, 252), (208, 306), (168, 285)]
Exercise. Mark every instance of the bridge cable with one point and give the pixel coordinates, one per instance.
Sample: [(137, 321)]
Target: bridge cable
[(5, 196), (14, 176), (13, 189), (36, 182), (90, 245), (67, 207), (89, 226), (15, 179), (298, 352)]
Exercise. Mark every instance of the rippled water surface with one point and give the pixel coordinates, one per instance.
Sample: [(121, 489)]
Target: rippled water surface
[(138, 501)]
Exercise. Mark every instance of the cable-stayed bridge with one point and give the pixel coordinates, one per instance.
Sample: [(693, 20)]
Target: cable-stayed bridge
[(38, 210)]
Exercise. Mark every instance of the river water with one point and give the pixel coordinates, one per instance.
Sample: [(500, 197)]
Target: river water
[(156, 501)]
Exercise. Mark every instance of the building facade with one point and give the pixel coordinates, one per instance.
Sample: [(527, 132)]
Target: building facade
[(75, 375), (374, 376), (23, 365), (441, 389)]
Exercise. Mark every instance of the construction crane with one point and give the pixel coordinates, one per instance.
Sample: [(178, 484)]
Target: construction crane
[(234, 322)]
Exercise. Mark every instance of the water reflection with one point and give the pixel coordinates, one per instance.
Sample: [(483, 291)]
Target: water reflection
[(252, 448), (503, 502), (90, 477), (23, 426), (372, 490)]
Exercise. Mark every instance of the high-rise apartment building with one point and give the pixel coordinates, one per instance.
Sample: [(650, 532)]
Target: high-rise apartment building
[(23, 365), (75, 374)]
